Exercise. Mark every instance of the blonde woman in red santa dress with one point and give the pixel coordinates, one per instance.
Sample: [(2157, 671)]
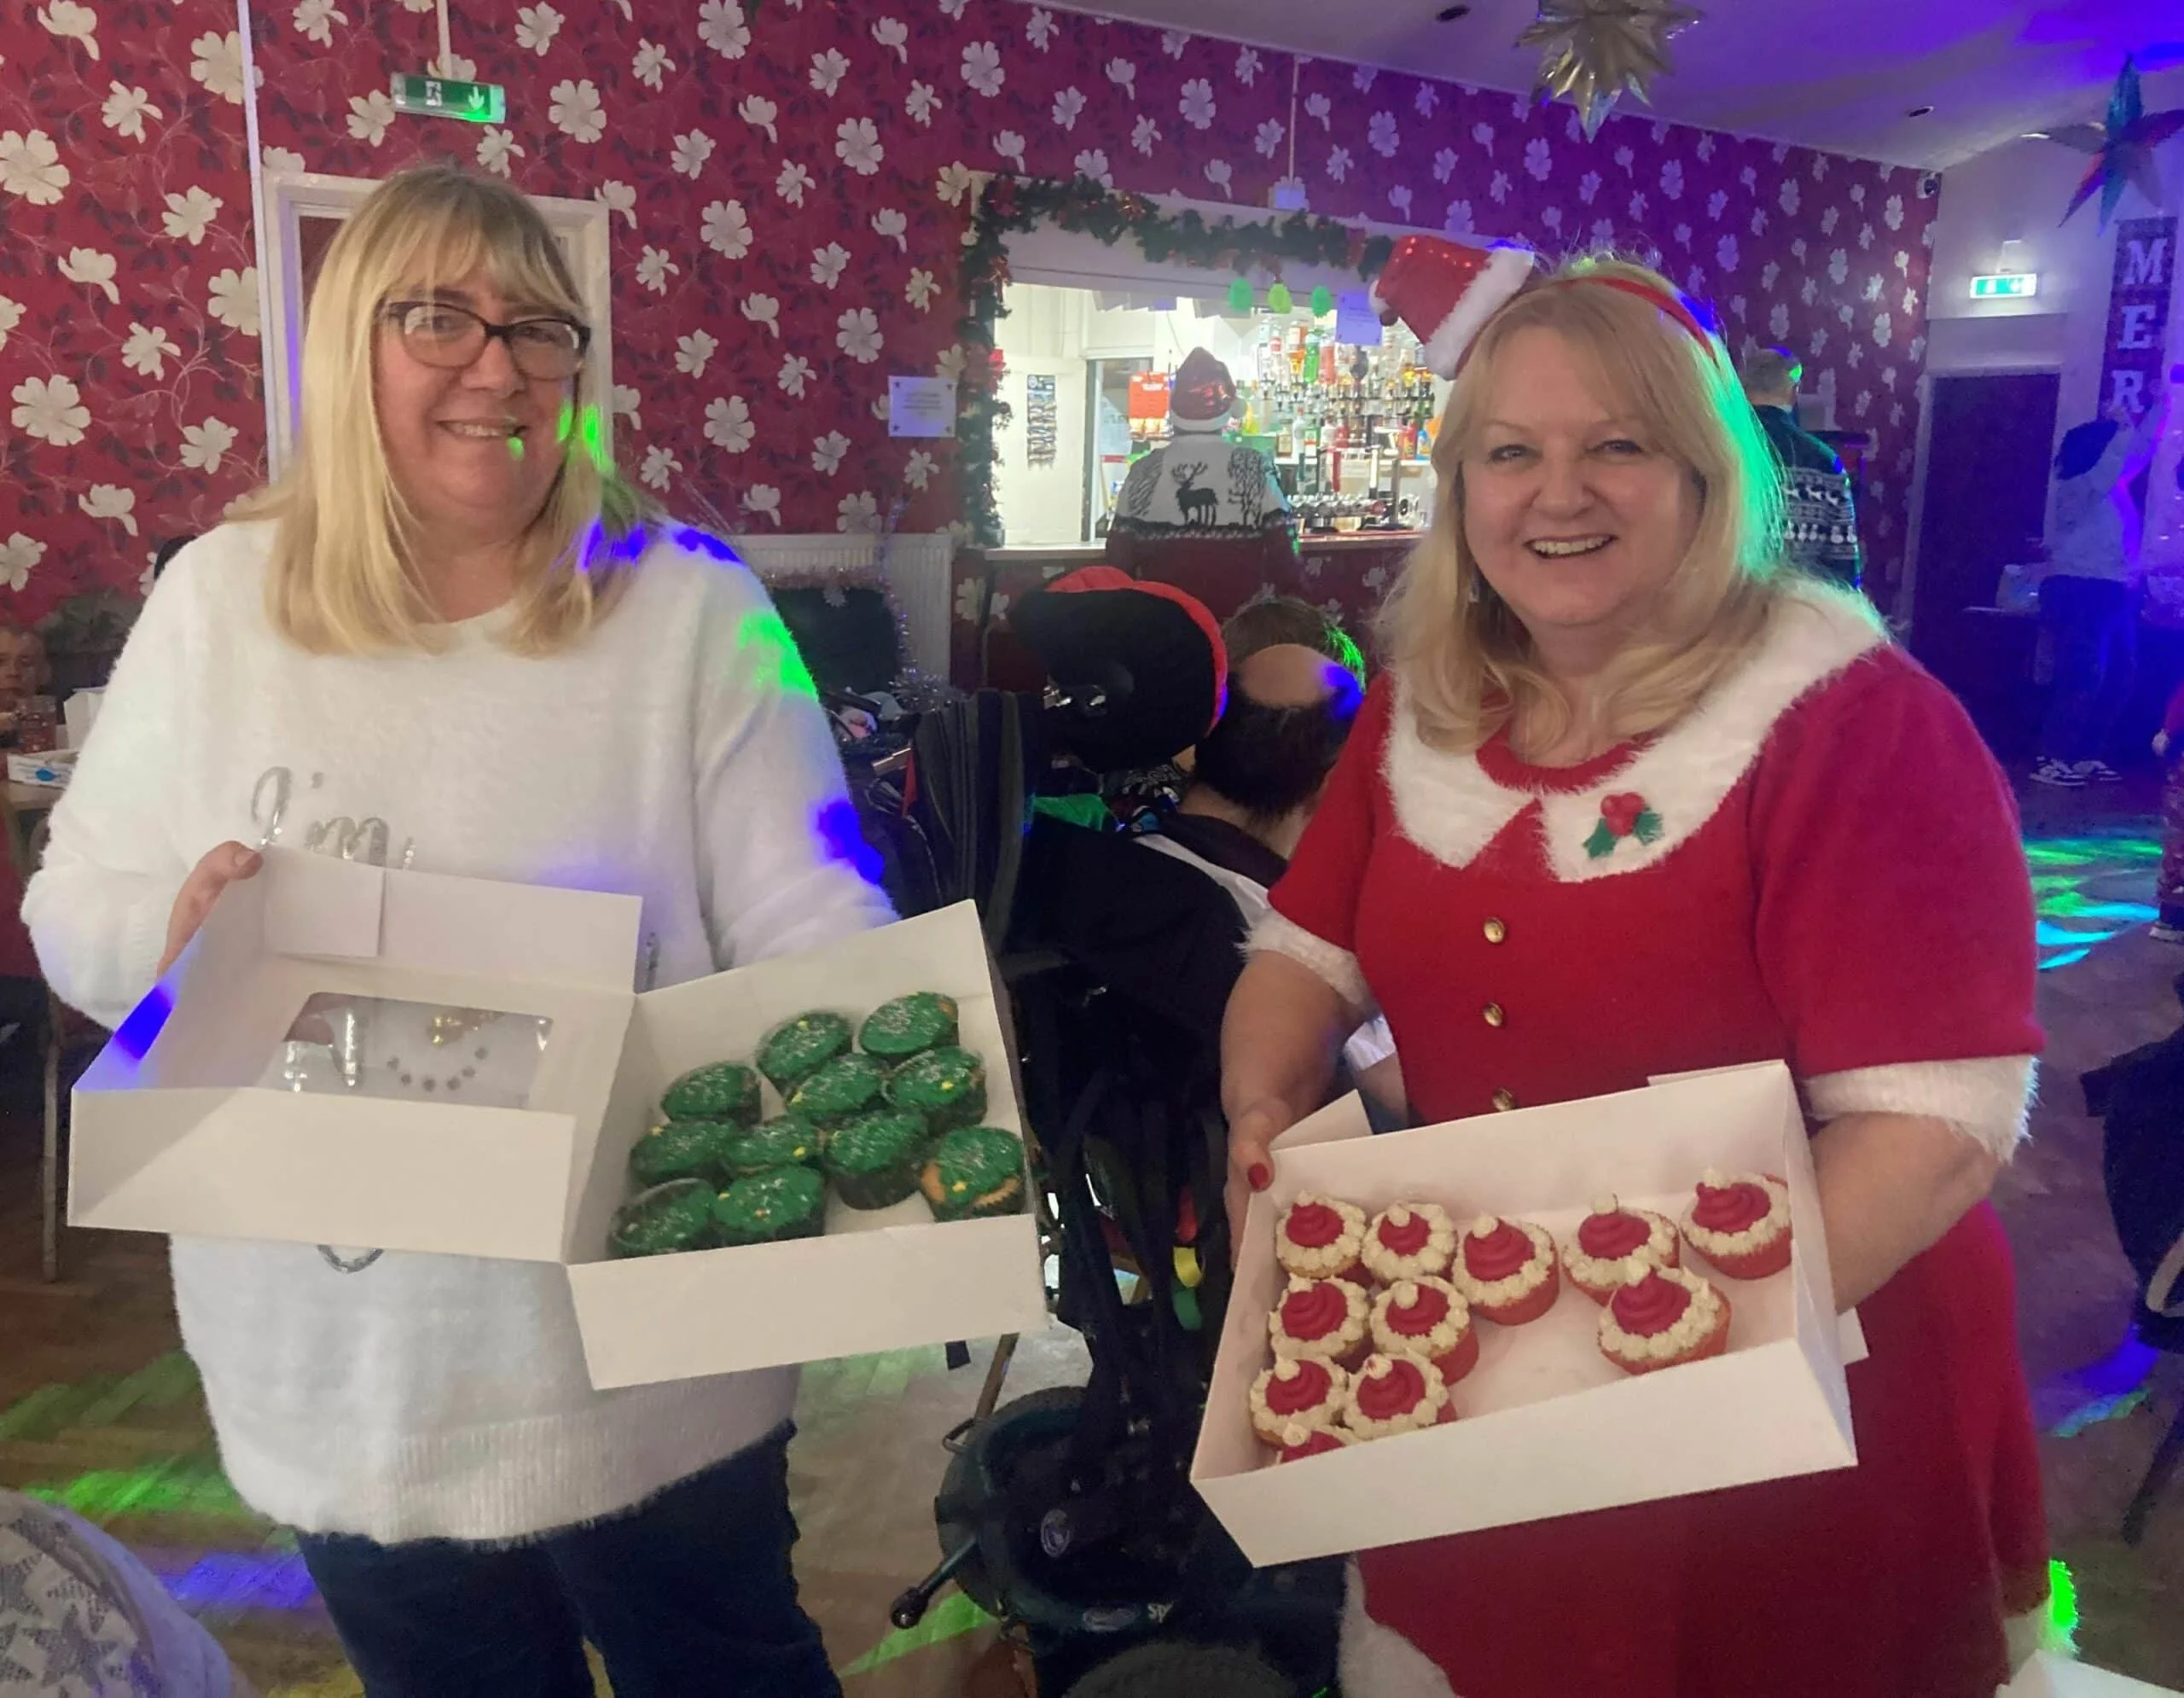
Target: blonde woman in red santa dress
[(1632, 800)]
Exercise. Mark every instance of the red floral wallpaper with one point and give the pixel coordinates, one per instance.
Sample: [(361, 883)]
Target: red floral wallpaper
[(787, 188), (129, 406)]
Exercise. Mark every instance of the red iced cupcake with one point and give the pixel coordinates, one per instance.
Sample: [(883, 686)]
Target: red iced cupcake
[(1409, 1240), (1299, 1441), (1297, 1388), (1426, 1317), (1319, 1238), (1740, 1223), (1397, 1394), (1662, 1317), (1506, 1270), (1321, 1318), (1612, 1242)]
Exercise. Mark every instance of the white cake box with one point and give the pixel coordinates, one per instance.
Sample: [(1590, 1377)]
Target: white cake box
[(2047, 1676), (474, 1086), (1546, 1425)]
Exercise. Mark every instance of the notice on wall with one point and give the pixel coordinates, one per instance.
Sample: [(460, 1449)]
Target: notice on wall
[(920, 406), (1355, 323), (1039, 419), (2135, 362)]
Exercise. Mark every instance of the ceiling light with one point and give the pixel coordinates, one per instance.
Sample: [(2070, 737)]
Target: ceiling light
[(1920, 112), (1449, 15)]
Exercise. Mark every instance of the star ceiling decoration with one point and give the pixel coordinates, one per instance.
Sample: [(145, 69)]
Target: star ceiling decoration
[(1595, 51), (2122, 148)]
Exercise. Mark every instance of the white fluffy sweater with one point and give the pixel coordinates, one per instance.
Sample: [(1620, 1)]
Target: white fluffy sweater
[(660, 757)]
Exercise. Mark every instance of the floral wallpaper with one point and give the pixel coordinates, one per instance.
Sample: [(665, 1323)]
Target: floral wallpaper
[(786, 183), (129, 406)]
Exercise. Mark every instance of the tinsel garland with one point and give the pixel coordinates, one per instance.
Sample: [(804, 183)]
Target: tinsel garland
[(1008, 205)]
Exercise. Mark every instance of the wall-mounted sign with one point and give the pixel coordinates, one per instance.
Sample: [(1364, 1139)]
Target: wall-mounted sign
[(2132, 353), (1148, 395), (920, 406), (2007, 286), (445, 97)]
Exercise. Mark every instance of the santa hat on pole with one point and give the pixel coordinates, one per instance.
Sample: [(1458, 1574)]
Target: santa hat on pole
[(1204, 394), (1445, 292)]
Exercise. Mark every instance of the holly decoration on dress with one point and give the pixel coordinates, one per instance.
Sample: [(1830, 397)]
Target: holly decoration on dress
[(1623, 815), (2122, 148)]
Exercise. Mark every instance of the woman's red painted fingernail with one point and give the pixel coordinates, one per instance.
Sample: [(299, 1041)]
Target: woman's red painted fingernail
[(1259, 1176)]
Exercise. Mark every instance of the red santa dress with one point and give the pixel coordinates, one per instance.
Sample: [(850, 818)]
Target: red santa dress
[(1821, 863)]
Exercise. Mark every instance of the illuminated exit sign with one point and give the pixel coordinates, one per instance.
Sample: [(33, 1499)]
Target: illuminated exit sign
[(2008, 286), (445, 97)]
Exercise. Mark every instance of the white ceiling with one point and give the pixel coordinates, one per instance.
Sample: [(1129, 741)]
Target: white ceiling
[(1837, 74)]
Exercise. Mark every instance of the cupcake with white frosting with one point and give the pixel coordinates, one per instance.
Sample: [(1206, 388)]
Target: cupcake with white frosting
[(1612, 1242), (1409, 1240), (1324, 1318), (1321, 1238), (1426, 1317), (1506, 1270), (1304, 1389), (1661, 1317), (1740, 1223), (1398, 1393)]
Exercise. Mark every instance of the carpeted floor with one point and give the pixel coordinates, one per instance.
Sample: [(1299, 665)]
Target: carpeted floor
[(100, 1410)]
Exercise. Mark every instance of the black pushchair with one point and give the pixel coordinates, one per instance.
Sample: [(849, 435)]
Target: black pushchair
[(1069, 1513)]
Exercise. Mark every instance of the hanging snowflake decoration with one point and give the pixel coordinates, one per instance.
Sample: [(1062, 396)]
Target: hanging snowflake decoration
[(1595, 51)]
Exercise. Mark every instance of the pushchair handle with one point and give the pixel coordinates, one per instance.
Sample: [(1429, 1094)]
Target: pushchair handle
[(907, 1610)]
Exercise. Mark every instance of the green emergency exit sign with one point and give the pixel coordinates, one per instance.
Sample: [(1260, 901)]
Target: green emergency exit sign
[(2008, 286), (445, 97)]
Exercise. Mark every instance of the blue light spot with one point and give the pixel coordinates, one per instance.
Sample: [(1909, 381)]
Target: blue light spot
[(136, 1034), (699, 542), (2065, 959), (844, 838)]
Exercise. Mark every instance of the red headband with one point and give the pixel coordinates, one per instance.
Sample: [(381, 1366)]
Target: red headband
[(1665, 302)]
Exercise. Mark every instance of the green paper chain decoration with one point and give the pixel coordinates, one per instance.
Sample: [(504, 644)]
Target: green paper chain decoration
[(1012, 204)]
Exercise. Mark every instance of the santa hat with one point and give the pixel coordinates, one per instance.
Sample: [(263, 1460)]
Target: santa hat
[(1204, 394), (1446, 292)]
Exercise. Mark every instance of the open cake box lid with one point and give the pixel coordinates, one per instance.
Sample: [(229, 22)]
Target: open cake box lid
[(1547, 1428), (198, 1119)]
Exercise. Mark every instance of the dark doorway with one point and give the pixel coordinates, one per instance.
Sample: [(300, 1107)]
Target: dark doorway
[(1986, 500)]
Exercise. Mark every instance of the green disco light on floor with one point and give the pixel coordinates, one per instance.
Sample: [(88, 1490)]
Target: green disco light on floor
[(2062, 1607)]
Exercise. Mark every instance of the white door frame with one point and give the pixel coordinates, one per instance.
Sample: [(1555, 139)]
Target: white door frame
[(290, 197)]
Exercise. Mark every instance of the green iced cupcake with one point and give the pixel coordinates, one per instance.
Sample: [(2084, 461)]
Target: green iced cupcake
[(795, 1051), (681, 1149), (790, 1141), (874, 1158), (725, 1091), (675, 1216), (908, 1026), (847, 1086), (947, 1086), (789, 1202), (975, 1171)]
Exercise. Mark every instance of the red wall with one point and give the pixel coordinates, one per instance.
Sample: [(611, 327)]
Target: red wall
[(1757, 228)]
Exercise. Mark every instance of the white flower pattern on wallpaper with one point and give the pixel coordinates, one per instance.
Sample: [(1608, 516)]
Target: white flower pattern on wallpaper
[(728, 423), (910, 93), (94, 269), (857, 513), (11, 315), (110, 500), (827, 453), (51, 409), (370, 116), (19, 556), (30, 166)]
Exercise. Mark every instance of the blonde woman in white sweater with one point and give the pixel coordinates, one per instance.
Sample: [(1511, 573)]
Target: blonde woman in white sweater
[(451, 635)]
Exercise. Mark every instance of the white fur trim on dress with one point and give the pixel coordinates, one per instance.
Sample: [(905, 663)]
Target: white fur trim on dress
[(1987, 1099), (1449, 806), (1281, 935), (1375, 1661)]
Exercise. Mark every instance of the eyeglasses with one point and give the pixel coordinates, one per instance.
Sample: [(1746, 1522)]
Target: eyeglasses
[(439, 332)]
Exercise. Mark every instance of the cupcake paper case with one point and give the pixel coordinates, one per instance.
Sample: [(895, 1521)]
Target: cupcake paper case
[(675, 1216)]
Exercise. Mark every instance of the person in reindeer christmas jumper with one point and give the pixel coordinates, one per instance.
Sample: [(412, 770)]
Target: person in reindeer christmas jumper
[(1205, 515), (1615, 735), (451, 626)]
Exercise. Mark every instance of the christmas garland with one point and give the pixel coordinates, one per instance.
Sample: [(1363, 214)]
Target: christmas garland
[(1011, 204)]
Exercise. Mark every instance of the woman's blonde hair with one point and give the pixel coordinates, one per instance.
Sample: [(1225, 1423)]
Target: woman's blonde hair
[(345, 576), (1461, 652)]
